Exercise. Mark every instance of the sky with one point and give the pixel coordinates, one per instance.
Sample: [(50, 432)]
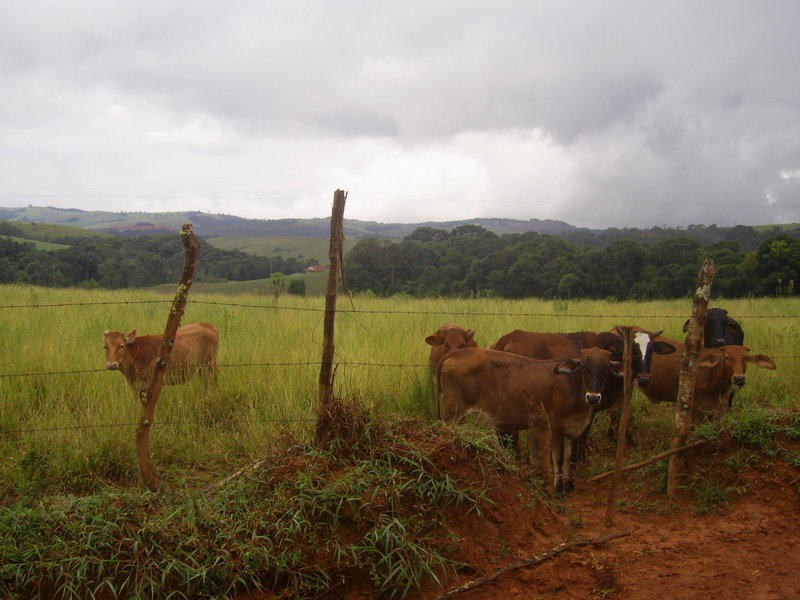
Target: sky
[(601, 114)]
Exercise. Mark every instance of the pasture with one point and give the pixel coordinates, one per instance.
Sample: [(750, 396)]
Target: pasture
[(62, 409), (389, 506)]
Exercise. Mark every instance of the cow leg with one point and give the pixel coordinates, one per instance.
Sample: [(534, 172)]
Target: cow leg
[(579, 453), (567, 462), (614, 417), (557, 452)]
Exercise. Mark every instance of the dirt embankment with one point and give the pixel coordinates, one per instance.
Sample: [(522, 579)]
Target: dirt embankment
[(747, 547)]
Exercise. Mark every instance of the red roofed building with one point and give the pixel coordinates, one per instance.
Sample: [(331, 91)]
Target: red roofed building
[(315, 269)]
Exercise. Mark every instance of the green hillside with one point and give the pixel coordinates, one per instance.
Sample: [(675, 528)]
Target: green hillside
[(305, 246), (39, 245), (209, 225), (46, 232), (316, 285)]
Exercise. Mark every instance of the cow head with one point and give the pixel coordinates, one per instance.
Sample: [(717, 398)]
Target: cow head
[(644, 346), (115, 344), (735, 359), (447, 338), (595, 367), (720, 329)]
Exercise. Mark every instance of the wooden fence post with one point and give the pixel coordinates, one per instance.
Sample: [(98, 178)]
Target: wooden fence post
[(149, 395), (335, 257), (627, 359), (688, 373)]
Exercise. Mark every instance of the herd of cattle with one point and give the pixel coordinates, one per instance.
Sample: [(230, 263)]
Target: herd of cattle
[(551, 383), (555, 383)]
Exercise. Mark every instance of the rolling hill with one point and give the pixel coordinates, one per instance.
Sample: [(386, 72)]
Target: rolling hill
[(211, 226)]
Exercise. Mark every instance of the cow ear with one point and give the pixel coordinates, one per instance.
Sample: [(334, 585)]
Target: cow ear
[(617, 368), (686, 326), (663, 348), (568, 366), (711, 359), (130, 337), (762, 360), (615, 346), (437, 339)]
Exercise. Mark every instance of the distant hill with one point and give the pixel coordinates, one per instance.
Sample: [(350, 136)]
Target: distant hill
[(209, 225)]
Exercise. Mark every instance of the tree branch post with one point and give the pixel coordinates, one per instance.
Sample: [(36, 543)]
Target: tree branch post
[(149, 395), (688, 373), (335, 257), (627, 359)]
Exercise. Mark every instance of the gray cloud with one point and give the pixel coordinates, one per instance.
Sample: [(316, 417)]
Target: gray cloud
[(649, 112)]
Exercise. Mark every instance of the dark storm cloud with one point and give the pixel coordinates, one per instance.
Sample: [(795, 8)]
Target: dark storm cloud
[(668, 113)]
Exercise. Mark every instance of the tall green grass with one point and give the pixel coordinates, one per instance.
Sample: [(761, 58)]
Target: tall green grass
[(66, 423)]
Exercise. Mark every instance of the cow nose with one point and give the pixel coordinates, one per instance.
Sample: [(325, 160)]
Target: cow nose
[(643, 380), (112, 366), (739, 380), (593, 399)]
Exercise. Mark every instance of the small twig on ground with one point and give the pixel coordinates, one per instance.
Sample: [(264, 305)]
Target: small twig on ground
[(235, 475), (650, 461), (536, 560)]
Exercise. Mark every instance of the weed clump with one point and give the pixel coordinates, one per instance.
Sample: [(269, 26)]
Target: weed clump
[(369, 506)]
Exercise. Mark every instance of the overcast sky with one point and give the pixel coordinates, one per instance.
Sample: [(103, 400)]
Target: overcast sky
[(599, 113)]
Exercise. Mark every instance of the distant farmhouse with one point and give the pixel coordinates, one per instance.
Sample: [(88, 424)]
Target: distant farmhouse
[(315, 269)]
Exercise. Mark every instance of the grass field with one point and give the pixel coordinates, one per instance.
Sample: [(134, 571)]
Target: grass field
[(65, 422), (316, 285), (286, 246), (376, 505), (39, 245)]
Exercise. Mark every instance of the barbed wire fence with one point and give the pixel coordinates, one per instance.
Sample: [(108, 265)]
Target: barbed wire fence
[(343, 363)]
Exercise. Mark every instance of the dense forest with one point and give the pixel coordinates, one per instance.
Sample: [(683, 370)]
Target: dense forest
[(468, 260), (120, 262), (473, 261)]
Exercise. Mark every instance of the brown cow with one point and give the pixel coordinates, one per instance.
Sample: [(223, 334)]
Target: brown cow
[(717, 371), (506, 390), (447, 338), (195, 350), (544, 345)]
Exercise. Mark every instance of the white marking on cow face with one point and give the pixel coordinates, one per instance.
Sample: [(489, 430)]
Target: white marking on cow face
[(642, 340)]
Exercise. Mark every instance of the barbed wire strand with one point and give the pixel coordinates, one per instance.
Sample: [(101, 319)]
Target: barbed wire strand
[(162, 423), (386, 312)]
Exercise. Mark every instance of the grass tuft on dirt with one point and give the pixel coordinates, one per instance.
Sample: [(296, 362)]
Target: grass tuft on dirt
[(380, 504)]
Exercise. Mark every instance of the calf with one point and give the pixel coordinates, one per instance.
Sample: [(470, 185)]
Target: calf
[(718, 370), (720, 330), (506, 390), (195, 351), (447, 338), (544, 345)]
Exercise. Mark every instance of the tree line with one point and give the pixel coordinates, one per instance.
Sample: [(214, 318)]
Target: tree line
[(471, 261), (118, 262)]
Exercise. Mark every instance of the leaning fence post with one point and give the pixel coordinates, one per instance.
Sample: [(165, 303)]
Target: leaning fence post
[(149, 395), (335, 257), (625, 413), (688, 373)]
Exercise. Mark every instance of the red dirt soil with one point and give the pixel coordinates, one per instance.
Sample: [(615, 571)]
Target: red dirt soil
[(749, 550)]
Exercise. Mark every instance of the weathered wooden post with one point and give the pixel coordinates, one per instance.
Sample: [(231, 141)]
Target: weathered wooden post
[(149, 395), (627, 359), (335, 257), (688, 373)]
